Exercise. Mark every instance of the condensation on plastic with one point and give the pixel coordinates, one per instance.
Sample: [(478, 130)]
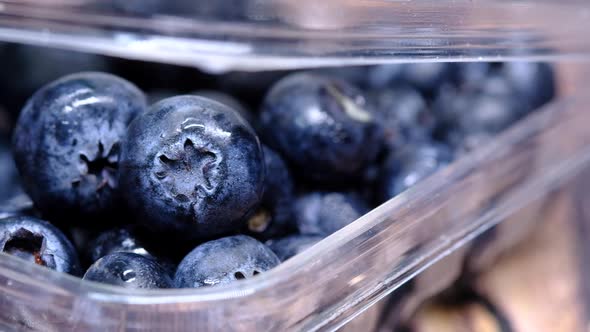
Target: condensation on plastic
[(278, 34), (349, 271)]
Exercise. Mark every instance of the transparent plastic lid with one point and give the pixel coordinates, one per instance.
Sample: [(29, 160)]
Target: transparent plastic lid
[(265, 34)]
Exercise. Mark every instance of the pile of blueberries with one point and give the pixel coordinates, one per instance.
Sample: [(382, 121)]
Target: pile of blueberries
[(197, 190)]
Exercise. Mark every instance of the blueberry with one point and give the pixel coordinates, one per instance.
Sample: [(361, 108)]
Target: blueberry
[(273, 216), (125, 239), (322, 125), (488, 114), (469, 74), (534, 82), (67, 141), (192, 168), (223, 261), (490, 107), (385, 76), (404, 113), (39, 242), (323, 213), (406, 167), (355, 75), (10, 184), (229, 101), (290, 246), (494, 84), (427, 76), (491, 111), (120, 239), (447, 106), (128, 270)]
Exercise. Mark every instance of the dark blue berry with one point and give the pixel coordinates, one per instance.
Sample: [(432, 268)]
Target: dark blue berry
[(355, 75), (128, 270), (290, 246), (448, 105), (191, 167), (488, 114), (124, 239), (470, 74), (408, 166), (38, 242), (385, 76), (322, 125), (323, 213), (489, 107), (532, 81), (274, 215), (223, 261), (121, 239), (10, 184), (67, 142), (404, 113), (427, 76)]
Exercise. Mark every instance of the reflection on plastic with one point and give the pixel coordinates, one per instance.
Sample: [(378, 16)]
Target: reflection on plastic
[(303, 33)]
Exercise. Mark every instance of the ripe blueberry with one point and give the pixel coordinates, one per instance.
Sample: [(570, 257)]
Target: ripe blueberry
[(273, 216), (223, 261), (532, 81), (404, 113), (323, 213), (67, 142), (322, 125), (191, 167), (128, 270), (290, 246), (10, 184), (406, 167), (38, 242)]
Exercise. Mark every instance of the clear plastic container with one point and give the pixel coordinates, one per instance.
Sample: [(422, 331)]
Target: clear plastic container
[(274, 34), (351, 270), (348, 271)]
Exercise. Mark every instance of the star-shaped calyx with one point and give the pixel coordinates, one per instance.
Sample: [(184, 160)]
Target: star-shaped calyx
[(188, 174), (101, 166)]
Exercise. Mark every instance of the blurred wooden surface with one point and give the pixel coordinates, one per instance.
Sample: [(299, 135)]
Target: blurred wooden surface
[(540, 286)]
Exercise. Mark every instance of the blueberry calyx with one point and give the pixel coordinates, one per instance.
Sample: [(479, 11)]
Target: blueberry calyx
[(195, 170), (29, 246), (101, 165)]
